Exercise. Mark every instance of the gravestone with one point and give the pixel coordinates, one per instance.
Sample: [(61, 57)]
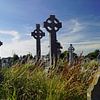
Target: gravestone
[(38, 34), (95, 94), (71, 56), (52, 25), (98, 57)]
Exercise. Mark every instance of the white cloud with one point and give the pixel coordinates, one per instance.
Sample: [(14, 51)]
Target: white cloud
[(22, 47), (87, 47), (15, 34), (76, 26), (72, 26), (73, 32), (18, 47)]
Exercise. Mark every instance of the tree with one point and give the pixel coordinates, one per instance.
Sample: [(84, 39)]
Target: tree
[(92, 55), (15, 58), (64, 55)]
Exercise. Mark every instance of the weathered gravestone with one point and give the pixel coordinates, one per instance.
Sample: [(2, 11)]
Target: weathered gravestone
[(52, 25), (95, 94), (71, 56), (38, 34)]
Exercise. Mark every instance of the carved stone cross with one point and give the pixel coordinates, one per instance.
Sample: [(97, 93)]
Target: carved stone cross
[(52, 25), (70, 51), (38, 34)]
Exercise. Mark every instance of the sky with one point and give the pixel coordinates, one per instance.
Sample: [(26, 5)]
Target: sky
[(80, 25)]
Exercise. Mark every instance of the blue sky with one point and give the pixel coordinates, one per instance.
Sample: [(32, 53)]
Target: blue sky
[(80, 19)]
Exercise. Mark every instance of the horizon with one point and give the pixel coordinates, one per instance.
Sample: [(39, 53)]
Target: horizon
[(80, 25)]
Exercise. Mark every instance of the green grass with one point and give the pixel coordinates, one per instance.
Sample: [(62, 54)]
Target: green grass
[(31, 82)]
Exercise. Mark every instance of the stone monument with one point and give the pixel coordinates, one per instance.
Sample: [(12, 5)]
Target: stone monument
[(52, 25), (71, 56), (38, 34), (95, 94)]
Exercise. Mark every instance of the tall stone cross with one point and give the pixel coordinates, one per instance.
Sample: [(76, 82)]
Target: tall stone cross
[(38, 34), (52, 25), (70, 51)]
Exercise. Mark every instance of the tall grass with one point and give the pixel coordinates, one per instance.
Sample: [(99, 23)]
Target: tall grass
[(31, 82)]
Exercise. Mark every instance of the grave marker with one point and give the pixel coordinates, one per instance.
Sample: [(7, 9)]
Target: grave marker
[(71, 57), (95, 94), (52, 25), (38, 34)]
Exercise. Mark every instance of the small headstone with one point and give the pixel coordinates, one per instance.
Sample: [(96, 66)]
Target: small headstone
[(38, 34), (71, 56), (52, 25)]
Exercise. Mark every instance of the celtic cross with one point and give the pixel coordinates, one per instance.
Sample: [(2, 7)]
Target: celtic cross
[(70, 51), (52, 25), (38, 34)]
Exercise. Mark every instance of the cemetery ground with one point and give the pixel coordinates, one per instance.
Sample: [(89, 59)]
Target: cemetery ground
[(30, 81), (69, 77)]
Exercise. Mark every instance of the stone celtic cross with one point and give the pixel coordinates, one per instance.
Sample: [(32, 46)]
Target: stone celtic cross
[(70, 51), (38, 34), (52, 25)]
